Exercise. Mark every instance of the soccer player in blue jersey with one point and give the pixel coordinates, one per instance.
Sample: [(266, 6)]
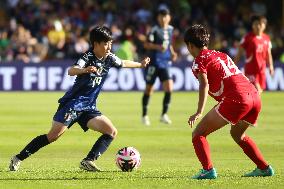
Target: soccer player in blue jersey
[(162, 54), (79, 103)]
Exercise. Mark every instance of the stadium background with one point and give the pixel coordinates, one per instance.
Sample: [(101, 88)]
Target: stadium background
[(40, 39)]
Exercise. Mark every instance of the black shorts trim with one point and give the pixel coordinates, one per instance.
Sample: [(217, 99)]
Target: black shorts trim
[(153, 72), (86, 117), (68, 116)]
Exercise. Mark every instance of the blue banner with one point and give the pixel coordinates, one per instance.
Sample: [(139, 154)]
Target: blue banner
[(52, 76)]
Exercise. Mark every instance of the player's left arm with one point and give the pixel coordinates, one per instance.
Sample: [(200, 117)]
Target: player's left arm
[(132, 64), (270, 62), (203, 94), (173, 53)]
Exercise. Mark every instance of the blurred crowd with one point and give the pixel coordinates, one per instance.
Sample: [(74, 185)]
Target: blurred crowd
[(35, 30)]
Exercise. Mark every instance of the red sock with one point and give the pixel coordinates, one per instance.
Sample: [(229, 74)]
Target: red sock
[(252, 151), (202, 151)]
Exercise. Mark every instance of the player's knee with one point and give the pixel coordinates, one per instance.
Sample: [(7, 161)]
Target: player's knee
[(198, 138), (51, 137), (197, 134), (168, 89), (148, 92), (114, 133)]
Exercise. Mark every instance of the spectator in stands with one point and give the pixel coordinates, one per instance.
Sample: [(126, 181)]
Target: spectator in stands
[(4, 44), (127, 49), (227, 20), (56, 38)]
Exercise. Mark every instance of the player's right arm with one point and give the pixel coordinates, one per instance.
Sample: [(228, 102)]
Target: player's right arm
[(80, 67), (153, 46), (77, 70), (173, 53), (150, 44), (270, 61), (132, 64), (203, 94)]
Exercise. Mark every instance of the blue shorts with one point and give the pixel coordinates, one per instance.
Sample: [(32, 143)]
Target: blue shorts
[(68, 116), (152, 72)]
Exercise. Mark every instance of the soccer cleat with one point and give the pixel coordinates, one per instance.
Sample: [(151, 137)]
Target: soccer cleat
[(206, 174), (89, 165), (15, 163), (146, 120), (165, 119), (261, 173)]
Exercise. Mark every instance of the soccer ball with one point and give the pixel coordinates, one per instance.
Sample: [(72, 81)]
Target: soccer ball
[(128, 159)]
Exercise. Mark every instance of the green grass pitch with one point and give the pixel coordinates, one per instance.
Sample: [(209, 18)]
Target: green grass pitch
[(168, 159)]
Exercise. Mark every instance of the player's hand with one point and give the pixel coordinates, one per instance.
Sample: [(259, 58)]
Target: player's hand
[(192, 119), (145, 62), (90, 69), (174, 57)]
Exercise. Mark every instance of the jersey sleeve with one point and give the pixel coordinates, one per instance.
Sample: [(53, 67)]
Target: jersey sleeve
[(116, 62), (269, 42), (151, 35), (82, 61), (201, 68), (269, 45)]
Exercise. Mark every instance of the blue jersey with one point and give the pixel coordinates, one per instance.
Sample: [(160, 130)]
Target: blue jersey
[(161, 37), (87, 87)]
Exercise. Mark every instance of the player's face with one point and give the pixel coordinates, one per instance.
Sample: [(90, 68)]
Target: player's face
[(102, 48), (258, 26), (164, 20), (263, 25)]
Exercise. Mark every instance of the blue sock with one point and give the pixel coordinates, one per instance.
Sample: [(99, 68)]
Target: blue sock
[(36, 144), (166, 102), (99, 147), (145, 102)]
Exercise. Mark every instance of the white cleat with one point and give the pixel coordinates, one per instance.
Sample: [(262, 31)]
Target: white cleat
[(165, 119), (89, 165), (15, 163), (146, 120)]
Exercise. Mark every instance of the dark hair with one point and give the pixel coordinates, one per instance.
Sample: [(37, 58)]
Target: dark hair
[(163, 11), (257, 18), (198, 35), (100, 34)]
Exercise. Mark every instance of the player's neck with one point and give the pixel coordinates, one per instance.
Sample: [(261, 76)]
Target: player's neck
[(165, 26), (198, 50), (97, 55), (258, 33)]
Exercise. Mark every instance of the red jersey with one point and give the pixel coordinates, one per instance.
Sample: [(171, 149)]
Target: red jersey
[(256, 48), (224, 77)]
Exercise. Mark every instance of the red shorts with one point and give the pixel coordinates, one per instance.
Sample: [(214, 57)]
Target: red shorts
[(257, 78), (245, 106)]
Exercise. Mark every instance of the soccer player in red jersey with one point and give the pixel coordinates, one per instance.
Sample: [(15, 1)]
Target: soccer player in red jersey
[(257, 47), (238, 103)]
